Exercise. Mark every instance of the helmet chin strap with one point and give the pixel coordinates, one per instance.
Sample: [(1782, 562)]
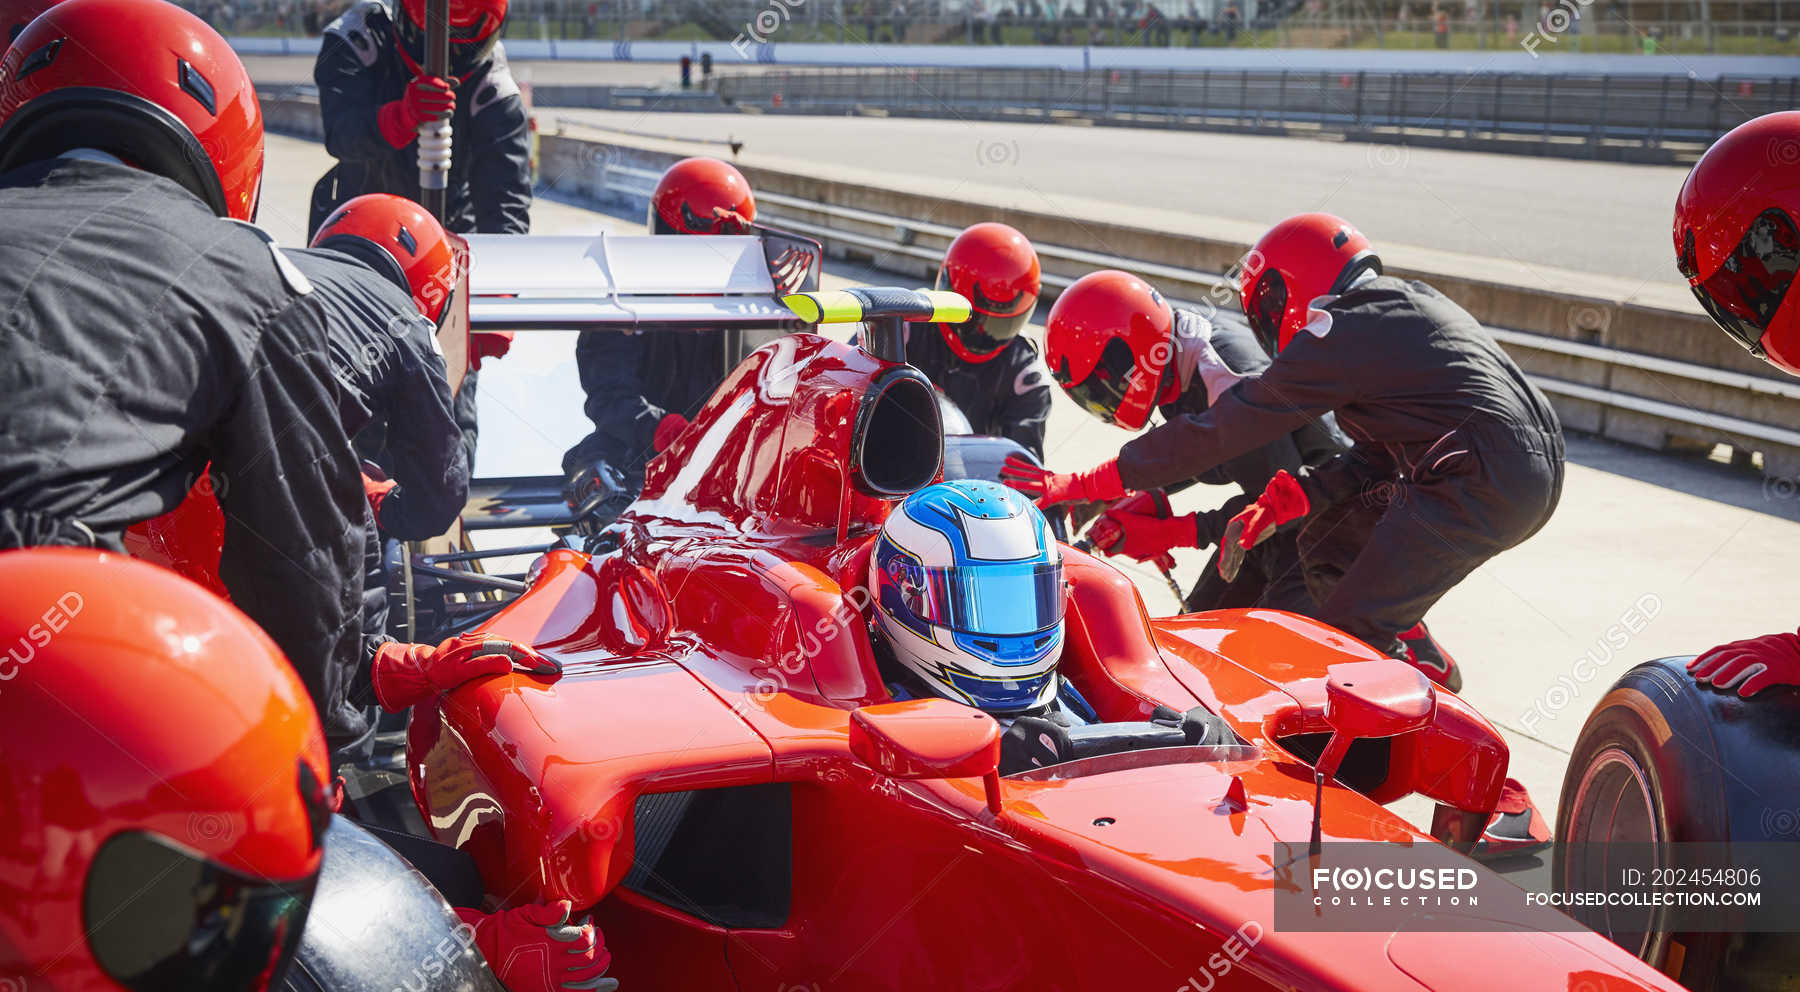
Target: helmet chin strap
[(92, 155)]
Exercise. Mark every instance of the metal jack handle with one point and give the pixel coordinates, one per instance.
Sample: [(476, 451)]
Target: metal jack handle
[(436, 136)]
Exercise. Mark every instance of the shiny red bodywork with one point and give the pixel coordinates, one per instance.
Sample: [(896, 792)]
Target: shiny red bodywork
[(725, 645)]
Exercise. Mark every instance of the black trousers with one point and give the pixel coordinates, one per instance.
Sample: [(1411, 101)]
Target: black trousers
[(1379, 560), (1271, 578)]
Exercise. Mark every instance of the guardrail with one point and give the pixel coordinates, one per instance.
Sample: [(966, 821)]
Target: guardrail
[(1657, 376), (1638, 118)]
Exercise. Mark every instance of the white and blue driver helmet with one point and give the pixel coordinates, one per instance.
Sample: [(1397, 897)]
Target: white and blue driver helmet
[(969, 594)]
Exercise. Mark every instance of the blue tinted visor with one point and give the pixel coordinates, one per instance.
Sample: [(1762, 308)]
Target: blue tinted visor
[(990, 598)]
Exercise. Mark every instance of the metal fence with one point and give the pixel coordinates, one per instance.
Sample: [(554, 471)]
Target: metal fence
[(1723, 26), (1602, 116)]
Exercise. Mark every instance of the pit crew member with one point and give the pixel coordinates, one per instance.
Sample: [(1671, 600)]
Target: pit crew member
[(378, 265), (150, 332), (373, 95), (1737, 241), (1457, 455), (968, 605), (196, 722), (642, 388), (379, 260), (985, 365), (1107, 317)]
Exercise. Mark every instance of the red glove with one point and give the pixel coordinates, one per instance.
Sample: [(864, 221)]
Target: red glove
[(1144, 536), (1282, 500), (537, 948), (1098, 483), (667, 430), (408, 674), (1752, 664), (427, 98), (376, 490), (488, 344)]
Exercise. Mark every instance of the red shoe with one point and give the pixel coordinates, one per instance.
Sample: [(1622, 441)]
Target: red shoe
[(1427, 655), (1517, 827)]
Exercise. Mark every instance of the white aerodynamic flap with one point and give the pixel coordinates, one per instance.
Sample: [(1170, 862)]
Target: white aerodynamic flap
[(607, 265), (535, 282)]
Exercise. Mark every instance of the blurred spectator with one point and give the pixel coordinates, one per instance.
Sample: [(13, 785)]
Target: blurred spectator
[(1440, 26), (1231, 22)]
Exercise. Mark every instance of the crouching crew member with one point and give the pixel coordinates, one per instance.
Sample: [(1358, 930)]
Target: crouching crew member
[(1457, 455)]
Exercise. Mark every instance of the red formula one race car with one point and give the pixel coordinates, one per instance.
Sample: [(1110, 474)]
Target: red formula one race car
[(721, 775)]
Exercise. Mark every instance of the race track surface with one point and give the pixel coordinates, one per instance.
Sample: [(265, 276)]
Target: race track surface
[(1531, 213), (1649, 555), (1549, 213)]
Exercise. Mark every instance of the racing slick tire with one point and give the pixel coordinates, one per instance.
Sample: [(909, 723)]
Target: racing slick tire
[(377, 924), (1664, 760)]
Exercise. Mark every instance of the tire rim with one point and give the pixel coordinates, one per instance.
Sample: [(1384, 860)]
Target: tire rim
[(1615, 803)]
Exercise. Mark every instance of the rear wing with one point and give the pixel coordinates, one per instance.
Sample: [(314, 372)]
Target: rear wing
[(636, 283)]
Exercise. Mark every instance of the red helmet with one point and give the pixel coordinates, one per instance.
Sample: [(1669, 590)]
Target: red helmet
[(15, 14), (1736, 239), (701, 196), (474, 29), (165, 782), (996, 270), (1301, 259), (1108, 342), (399, 239), (140, 79)]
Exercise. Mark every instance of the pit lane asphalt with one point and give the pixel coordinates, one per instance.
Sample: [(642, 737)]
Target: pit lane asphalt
[(1514, 217), (1648, 555)]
